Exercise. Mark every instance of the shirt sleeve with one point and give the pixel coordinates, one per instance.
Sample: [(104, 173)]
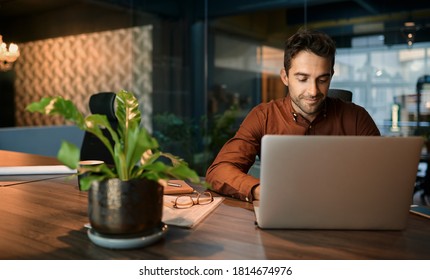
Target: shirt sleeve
[(228, 173)]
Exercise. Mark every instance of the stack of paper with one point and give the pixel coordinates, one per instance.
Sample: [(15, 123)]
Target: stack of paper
[(188, 217)]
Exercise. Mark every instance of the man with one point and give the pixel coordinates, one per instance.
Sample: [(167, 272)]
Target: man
[(306, 110)]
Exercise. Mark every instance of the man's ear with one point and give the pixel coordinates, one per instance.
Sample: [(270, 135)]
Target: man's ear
[(284, 76)]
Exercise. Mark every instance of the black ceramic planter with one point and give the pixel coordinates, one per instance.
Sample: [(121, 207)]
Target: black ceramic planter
[(118, 207)]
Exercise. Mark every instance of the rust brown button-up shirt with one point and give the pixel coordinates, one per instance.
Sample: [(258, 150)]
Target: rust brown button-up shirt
[(228, 173)]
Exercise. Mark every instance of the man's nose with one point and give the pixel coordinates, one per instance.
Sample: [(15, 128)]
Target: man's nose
[(313, 88)]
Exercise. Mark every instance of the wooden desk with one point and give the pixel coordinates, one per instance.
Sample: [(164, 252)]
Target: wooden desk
[(44, 220)]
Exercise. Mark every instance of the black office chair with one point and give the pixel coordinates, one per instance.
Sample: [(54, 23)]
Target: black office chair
[(92, 148), (342, 94)]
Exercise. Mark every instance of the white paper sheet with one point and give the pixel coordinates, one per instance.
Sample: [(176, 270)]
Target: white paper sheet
[(34, 170)]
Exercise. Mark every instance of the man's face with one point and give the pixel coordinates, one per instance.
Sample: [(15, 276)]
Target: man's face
[(308, 81)]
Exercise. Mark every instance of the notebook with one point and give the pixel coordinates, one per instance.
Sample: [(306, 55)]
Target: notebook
[(177, 187), (337, 182)]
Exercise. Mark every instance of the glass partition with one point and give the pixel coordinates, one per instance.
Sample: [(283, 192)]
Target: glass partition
[(198, 73)]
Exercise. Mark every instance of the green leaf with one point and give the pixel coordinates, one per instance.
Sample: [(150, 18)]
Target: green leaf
[(184, 172), (39, 106), (127, 112), (58, 106), (99, 168), (69, 154), (86, 181), (138, 144), (120, 162)]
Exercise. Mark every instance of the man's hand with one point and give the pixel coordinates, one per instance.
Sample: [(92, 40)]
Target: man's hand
[(256, 193)]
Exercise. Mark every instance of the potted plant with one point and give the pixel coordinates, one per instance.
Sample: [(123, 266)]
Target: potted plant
[(125, 198)]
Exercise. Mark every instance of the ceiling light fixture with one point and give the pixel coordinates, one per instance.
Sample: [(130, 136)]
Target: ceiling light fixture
[(408, 31), (8, 55)]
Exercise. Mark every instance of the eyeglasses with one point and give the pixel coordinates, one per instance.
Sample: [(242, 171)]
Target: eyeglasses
[(187, 201)]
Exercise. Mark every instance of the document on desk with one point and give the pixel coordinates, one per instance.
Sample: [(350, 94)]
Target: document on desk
[(36, 170), (13, 175), (188, 217)]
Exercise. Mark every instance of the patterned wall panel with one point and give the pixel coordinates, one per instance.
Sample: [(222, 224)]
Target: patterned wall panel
[(77, 66)]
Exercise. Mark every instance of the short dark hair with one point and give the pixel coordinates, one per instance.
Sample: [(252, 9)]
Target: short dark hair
[(316, 42)]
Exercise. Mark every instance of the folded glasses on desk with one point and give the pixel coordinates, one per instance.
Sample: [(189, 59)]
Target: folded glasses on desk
[(187, 201)]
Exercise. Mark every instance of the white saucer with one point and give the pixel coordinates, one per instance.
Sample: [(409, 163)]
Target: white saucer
[(112, 242)]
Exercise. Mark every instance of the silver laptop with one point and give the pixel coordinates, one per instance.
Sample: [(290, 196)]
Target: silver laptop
[(337, 182)]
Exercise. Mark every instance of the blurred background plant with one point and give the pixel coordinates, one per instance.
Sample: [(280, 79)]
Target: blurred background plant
[(180, 136)]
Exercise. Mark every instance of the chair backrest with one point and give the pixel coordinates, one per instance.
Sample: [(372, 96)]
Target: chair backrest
[(342, 94), (92, 148)]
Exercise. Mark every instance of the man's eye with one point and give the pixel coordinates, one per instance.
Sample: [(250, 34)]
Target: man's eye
[(322, 81)]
